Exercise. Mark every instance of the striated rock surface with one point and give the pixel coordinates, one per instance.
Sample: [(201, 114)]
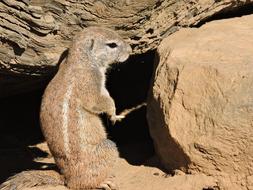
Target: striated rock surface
[(200, 107), (35, 34)]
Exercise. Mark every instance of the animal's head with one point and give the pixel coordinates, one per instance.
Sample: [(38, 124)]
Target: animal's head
[(102, 46)]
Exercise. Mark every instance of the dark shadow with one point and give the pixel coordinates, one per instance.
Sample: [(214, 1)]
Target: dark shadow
[(230, 12), (19, 123), (19, 128), (128, 84)]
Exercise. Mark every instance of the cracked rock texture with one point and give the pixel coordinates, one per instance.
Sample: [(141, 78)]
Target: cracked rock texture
[(35, 33), (200, 107)]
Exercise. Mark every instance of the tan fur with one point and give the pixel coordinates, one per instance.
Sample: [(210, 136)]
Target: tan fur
[(71, 104)]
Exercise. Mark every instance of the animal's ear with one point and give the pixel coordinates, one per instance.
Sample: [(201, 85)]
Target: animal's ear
[(91, 44)]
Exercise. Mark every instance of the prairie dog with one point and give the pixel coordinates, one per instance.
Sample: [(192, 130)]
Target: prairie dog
[(71, 106)]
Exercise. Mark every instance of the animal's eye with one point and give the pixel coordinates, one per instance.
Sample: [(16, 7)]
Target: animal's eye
[(112, 45)]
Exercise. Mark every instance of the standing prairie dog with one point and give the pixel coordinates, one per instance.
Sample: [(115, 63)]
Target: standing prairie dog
[(70, 112)]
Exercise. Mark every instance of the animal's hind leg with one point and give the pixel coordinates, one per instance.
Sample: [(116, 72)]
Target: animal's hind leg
[(107, 147), (94, 169)]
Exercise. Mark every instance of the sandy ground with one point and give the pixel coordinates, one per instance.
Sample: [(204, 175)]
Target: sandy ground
[(142, 176), (127, 176)]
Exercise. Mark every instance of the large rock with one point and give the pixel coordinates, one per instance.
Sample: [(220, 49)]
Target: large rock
[(200, 108)]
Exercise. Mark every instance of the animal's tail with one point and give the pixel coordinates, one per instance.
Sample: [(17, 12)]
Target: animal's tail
[(28, 179)]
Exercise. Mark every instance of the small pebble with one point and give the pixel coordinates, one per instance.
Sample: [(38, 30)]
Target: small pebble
[(156, 174)]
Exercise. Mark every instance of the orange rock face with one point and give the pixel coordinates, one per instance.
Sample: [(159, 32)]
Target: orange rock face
[(200, 108)]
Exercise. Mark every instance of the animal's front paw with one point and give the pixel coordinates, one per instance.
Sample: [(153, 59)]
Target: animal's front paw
[(115, 118)]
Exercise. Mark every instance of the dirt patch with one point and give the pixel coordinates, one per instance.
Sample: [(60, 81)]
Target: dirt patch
[(146, 176)]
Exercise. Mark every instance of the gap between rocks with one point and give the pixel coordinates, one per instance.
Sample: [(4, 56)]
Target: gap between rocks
[(243, 10), (128, 84)]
